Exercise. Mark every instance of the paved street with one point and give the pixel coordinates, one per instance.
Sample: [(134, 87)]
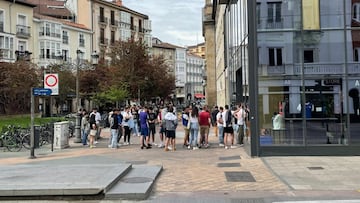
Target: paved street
[(215, 174)]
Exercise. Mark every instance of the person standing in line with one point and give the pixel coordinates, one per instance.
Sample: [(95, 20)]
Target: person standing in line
[(186, 123), (114, 127), (144, 129), (162, 130), (220, 124), (152, 125), (194, 128), (214, 120), (240, 115), (135, 117), (85, 127), (228, 128), (98, 127), (171, 121), (204, 122), (120, 120), (127, 124)]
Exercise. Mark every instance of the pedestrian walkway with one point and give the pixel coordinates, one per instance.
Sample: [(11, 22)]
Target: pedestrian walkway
[(217, 171)]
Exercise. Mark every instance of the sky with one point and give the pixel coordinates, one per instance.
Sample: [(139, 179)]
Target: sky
[(178, 22)]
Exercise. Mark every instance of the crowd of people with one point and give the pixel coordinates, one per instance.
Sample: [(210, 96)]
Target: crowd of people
[(231, 126)]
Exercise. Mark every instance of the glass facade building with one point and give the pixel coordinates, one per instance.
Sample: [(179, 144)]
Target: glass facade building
[(296, 63)]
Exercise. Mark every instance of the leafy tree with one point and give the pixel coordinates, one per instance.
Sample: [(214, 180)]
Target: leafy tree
[(16, 80), (132, 65)]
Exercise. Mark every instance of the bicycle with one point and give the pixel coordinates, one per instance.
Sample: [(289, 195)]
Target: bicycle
[(10, 140)]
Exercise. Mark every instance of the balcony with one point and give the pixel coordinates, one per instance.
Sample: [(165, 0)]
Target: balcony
[(309, 69), (103, 21), (23, 55), (23, 31), (133, 28), (103, 41), (114, 24)]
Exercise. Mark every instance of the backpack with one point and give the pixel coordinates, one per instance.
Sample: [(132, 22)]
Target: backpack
[(111, 121), (228, 118), (92, 118)]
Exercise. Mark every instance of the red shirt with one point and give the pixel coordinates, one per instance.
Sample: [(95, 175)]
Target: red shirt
[(204, 117)]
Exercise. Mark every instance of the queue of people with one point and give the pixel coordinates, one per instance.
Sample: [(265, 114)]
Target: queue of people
[(230, 126)]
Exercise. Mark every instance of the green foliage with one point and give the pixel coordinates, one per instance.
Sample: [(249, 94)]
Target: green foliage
[(25, 120), (111, 95)]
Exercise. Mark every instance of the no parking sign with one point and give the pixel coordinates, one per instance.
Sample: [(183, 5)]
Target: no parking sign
[(51, 81)]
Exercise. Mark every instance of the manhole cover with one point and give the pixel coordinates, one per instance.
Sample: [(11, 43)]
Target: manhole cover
[(137, 180), (243, 176), (226, 158), (228, 165), (315, 168)]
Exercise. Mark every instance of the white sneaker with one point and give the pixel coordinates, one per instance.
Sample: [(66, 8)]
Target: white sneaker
[(233, 147), (221, 145), (189, 147), (160, 146), (95, 142), (226, 147), (169, 148), (109, 145), (195, 148)]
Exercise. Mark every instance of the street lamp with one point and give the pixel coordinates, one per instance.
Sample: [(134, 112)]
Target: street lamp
[(80, 65)]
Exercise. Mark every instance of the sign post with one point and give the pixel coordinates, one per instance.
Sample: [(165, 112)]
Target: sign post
[(35, 91), (51, 81)]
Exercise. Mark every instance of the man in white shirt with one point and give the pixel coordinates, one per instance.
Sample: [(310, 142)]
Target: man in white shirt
[(220, 125)]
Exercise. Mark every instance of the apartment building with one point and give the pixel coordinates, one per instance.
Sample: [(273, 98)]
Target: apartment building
[(16, 30), (175, 57), (194, 85), (300, 60), (111, 21), (198, 49)]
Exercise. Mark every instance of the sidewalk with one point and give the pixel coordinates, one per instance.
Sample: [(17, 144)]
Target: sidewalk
[(216, 170)]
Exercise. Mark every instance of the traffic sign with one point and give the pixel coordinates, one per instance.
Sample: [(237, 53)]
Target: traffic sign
[(42, 91), (51, 81)]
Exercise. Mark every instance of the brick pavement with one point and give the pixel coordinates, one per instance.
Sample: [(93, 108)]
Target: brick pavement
[(184, 170)]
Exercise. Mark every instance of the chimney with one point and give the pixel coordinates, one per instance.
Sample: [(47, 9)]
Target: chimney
[(118, 2)]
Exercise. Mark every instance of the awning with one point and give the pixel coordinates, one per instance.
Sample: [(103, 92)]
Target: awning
[(199, 96)]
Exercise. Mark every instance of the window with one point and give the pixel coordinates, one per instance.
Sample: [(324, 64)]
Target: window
[(65, 37), (275, 56), (112, 37), (308, 56), (112, 17), (1, 21), (47, 29), (65, 55), (356, 54), (258, 13), (7, 47), (81, 40), (274, 12), (140, 25), (21, 20), (102, 36), (102, 18), (50, 49), (21, 46), (356, 12)]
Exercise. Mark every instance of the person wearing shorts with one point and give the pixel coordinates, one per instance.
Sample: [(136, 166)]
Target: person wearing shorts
[(144, 129), (171, 124)]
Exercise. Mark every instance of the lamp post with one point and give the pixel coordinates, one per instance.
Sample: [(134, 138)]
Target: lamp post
[(79, 65)]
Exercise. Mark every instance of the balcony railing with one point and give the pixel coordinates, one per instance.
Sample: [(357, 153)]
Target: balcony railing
[(114, 23), (103, 41), (22, 31), (103, 20), (309, 69)]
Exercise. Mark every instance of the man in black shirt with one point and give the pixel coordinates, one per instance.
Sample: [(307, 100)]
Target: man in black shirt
[(152, 121), (213, 119)]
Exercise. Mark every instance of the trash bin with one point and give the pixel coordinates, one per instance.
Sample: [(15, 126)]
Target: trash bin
[(36, 136), (61, 135)]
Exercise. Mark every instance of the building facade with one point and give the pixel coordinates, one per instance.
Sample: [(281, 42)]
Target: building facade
[(210, 70), (110, 22), (198, 50), (16, 30), (299, 60), (194, 85)]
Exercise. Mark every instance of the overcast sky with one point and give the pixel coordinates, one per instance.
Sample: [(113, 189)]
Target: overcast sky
[(174, 21)]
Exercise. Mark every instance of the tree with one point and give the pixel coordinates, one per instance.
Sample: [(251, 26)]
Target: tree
[(16, 80), (131, 65)]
